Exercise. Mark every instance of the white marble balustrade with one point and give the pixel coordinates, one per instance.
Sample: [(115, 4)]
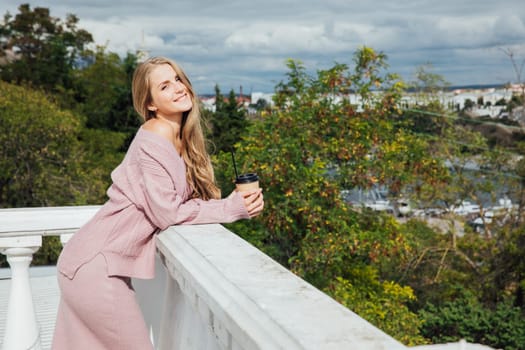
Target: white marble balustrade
[(212, 290)]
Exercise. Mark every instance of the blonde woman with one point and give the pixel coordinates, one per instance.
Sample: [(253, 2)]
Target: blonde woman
[(166, 178)]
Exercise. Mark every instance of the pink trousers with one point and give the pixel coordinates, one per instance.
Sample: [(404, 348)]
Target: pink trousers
[(98, 312)]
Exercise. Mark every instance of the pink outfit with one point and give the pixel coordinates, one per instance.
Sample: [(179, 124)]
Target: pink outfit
[(149, 193), (99, 312)]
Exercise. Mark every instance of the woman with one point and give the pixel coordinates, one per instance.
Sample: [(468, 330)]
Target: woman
[(165, 179)]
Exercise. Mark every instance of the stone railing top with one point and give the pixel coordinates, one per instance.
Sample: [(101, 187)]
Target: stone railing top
[(260, 304), (257, 299), (44, 221)]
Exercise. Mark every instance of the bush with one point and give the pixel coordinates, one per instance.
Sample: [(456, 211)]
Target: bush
[(466, 318)]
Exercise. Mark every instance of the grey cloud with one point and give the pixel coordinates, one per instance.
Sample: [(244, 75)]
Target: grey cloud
[(246, 42), (510, 27)]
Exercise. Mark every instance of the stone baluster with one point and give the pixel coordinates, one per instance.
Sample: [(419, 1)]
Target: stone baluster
[(22, 331), (64, 238)]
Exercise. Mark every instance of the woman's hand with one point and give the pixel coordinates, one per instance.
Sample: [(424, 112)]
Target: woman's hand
[(254, 202)]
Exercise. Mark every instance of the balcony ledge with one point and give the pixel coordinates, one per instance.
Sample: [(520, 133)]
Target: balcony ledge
[(258, 302), (212, 291)]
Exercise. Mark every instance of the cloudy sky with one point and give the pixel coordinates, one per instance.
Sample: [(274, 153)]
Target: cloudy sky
[(233, 43)]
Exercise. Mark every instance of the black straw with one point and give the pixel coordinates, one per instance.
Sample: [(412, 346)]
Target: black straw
[(234, 165)]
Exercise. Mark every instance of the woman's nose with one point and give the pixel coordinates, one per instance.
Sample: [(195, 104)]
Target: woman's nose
[(179, 86)]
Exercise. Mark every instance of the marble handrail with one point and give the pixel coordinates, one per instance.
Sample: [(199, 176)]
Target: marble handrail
[(212, 290), (223, 293)]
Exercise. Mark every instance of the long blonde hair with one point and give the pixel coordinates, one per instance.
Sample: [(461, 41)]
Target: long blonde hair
[(199, 171)]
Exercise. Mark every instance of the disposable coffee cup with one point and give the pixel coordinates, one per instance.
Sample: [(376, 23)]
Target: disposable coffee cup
[(247, 182)]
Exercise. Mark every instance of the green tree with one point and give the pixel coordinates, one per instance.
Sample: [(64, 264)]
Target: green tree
[(427, 84), (383, 303), (426, 116), (515, 101), (40, 150), (426, 119), (44, 159), (518, 63), (40, 49), (469, 104), (314, 144), (466, 318), (480, 101), (471, 171), (228, 122), (261, 105), (48, 158), (123, 116), (104, 89), (501, 102)]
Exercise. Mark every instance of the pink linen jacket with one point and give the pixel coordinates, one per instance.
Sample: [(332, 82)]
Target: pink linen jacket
[(149, 193)]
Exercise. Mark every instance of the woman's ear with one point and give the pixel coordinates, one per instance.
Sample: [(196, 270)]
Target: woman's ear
[(152, 108)]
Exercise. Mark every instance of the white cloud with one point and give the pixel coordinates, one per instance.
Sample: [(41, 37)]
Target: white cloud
[(246, 41), (510, 26), (281, 38)]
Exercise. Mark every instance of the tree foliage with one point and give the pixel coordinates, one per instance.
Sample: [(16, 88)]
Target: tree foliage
[(104, 91), (228, 122), (315, 143), (39, 49), (40, 150), (466, 318), (43, 159), (428, 84)]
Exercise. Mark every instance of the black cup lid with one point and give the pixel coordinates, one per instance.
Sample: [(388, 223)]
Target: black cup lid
[(246, 178)]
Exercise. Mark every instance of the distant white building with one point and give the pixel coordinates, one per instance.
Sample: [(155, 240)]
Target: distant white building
[(456, 99), (208, 103), (267, 97), (453, 100)]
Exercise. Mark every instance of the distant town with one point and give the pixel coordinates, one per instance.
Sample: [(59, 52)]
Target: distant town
[(479, 100)]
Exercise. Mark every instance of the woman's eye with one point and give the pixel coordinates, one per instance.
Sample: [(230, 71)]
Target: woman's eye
[(163, 87)]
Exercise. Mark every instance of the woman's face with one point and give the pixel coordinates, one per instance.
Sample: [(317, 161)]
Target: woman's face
[(170, 97)]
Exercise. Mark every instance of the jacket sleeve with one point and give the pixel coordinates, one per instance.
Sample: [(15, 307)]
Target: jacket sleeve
[(164, 206)]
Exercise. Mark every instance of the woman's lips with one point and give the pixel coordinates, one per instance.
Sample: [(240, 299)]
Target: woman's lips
[(180, 98)]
